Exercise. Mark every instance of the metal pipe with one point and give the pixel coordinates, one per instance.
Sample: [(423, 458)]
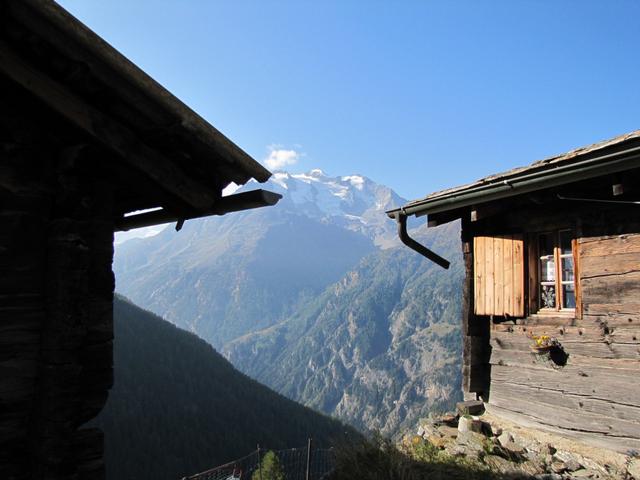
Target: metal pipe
[(308, 469), (549, 177), (598, 200), (401, 220), (232, 203)]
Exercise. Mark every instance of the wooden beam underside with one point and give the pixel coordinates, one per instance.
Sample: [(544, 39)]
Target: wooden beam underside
[(232, 203)]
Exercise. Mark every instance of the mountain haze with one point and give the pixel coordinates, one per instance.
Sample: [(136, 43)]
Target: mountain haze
[(271, 258), (224, 277), (314, 297)]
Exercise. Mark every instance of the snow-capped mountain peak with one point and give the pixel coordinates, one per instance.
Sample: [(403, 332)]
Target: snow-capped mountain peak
[(316, 172), (356, 181), (353, 201)]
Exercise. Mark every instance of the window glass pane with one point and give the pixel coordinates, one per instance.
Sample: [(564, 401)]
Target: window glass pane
[(568, 296), (547, 296), (547, 269), (567, 269), (565, 242)]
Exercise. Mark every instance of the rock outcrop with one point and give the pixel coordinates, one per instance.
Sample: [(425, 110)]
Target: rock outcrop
[(518, 452)]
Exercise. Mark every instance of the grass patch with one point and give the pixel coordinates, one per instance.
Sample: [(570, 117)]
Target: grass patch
[(381, 459)]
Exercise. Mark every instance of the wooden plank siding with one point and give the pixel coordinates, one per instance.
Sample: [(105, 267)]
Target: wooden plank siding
[(490, 264), (478, 274), (596, 394), (499, 275), (508, 278), (595, 397), (610, 278), (518, 277)]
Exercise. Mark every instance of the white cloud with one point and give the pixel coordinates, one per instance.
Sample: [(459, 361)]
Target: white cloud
[(279, 158)]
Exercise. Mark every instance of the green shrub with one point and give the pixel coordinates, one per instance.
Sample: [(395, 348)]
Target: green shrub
[(270, 468)]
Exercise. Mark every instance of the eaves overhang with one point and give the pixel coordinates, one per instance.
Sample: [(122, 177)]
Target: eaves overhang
[(613, 156), (72, 36), (153, 151)]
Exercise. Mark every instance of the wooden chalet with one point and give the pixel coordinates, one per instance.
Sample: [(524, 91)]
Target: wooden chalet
[(551, 301), (86, 138)]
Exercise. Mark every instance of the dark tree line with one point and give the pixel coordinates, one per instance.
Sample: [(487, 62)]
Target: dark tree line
[(178, 407)]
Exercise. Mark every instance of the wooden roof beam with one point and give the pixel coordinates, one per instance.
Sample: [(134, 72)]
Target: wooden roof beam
[(76, 41), (107, 132), (232, 203)]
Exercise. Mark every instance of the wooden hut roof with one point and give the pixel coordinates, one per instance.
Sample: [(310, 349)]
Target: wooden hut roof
[(610, 156), (161, 153)]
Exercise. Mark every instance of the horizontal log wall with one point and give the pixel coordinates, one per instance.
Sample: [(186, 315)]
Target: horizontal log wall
[(595, 397), (22, 313), (56, 326), (610, 279)]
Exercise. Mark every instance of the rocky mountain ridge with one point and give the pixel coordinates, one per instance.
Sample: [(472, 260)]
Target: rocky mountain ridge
[(312, 298), (354, 202), (378, 349)]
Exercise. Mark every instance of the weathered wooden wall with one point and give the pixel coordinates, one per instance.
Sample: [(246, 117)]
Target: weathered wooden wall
[(610, 279), (595, 397), (23, 232), (56, 292), (85, 137), (475, 329)]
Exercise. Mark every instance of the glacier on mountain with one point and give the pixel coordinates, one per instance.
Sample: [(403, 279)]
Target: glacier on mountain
[(352, 201)]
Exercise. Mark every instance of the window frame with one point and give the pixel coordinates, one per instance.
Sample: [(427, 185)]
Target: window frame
[(535, 283)]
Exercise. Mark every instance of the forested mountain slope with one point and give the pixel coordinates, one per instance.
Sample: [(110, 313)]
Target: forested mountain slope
[(178, 407), (302, 297), (379, 348)]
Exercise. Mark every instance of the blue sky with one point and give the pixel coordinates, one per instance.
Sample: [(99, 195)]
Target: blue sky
[(418, 95)]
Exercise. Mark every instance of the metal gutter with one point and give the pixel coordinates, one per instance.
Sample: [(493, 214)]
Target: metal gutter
[(232, 203), (508, 187), (598, 200), (401, 220)]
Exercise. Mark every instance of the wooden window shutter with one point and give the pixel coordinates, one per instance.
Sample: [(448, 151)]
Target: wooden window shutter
[(498, 275)]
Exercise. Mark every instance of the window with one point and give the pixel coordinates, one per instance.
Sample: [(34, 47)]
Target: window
[(514, 277), (556, 272)]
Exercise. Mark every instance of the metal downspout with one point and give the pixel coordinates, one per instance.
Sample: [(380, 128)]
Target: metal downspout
[(401, 220)]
